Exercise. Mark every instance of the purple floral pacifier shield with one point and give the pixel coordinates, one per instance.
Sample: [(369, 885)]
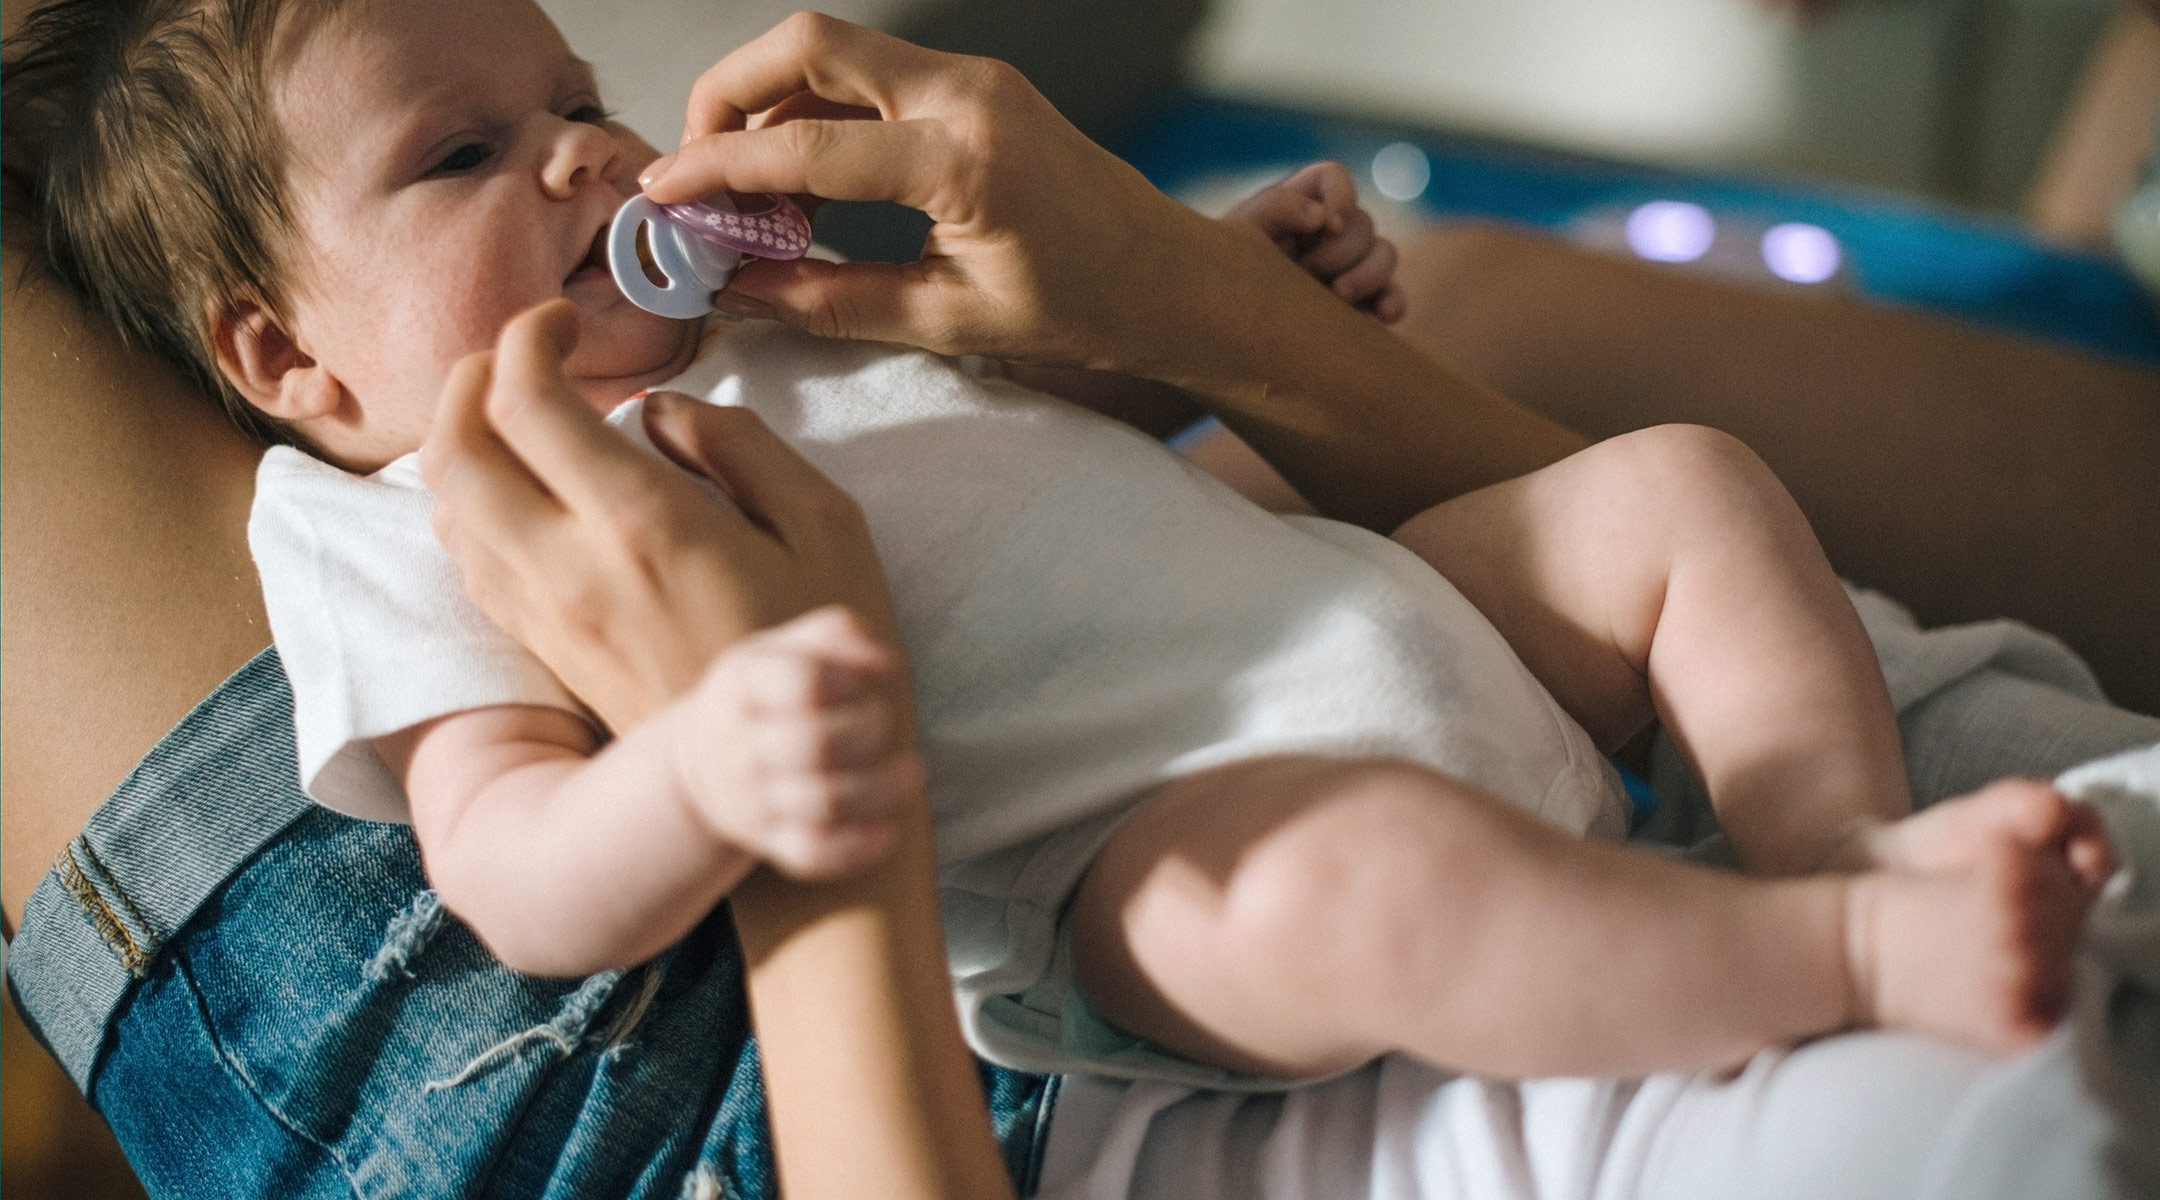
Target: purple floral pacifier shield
[(777, 229)]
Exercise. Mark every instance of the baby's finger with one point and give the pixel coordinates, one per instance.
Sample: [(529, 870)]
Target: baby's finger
[(846, 737), (1328, 182), (2086, 845), (1281, 211), (1370, 276), (776, 681), (1390, 305), (823, 800), (835, 633), (830, 854), (1341, 248)]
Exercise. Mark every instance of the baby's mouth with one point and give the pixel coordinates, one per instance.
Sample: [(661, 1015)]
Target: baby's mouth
[(596, 258)]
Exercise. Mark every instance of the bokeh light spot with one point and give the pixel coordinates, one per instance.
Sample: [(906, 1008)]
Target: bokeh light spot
[(1800, 252), (1401, 171), (1671, 231)]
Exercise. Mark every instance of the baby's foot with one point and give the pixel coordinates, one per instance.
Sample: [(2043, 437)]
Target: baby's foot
[(1978, 948)]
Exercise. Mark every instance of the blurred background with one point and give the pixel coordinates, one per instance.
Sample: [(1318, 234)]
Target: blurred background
[(1972, 157), (1951, 99), (1981, 158)]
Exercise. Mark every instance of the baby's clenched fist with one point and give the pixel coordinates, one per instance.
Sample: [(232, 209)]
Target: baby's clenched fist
[(797, 748), (1314, 217)]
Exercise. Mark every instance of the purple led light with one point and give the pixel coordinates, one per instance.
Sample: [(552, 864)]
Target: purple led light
[(1800, 252), (1671, 231)]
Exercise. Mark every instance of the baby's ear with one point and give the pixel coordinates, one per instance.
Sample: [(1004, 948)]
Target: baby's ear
[(267, 367)]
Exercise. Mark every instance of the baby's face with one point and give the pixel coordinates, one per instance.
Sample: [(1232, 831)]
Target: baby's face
[(452, 167)]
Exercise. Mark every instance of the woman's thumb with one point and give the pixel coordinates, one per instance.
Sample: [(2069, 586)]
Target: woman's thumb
[(862, 300), (732, 446)]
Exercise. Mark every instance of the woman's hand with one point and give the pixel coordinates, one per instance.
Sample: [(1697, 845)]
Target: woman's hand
[(622, 574), (1046, 248)]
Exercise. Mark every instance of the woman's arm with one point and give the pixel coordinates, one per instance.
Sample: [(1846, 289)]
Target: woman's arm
[(1965, 472), (627, 584), (126, 591)]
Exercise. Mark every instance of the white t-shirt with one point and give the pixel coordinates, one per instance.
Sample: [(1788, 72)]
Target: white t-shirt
[(1087, 615)]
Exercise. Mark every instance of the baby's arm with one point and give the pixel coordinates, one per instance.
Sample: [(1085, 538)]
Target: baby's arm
[(567, 857)]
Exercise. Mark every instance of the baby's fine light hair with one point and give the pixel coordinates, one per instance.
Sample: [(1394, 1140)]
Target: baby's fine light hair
[(143, 129)]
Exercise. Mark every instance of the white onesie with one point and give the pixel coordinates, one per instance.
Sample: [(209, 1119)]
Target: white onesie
[(1087, 616)]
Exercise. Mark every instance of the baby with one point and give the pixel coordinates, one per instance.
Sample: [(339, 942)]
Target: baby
[(1262, 792)]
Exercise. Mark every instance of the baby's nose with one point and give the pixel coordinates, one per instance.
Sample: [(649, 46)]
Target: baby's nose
[(579, 156)]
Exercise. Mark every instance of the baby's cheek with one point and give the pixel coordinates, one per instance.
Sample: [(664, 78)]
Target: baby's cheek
[(623, 340)]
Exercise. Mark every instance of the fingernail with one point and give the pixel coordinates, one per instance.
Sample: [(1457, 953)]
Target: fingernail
[(657, 168), (735, 304)]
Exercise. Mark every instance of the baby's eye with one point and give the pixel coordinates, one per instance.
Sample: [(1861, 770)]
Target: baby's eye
[(589, 114), (462, 159)]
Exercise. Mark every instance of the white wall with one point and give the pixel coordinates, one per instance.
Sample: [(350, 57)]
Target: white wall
[(1673, 79), (649, 52)]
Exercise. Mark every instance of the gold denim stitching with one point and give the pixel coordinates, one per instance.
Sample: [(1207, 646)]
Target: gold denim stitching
[(141, 922), (101, 914)]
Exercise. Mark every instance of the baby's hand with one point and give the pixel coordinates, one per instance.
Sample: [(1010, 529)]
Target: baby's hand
[(1314, 217), (800, 752), (1971, 930)]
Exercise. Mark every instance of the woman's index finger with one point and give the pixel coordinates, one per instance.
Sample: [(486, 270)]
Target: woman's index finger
[(480, 488), (808, 52), (543, 420), (907, 162)]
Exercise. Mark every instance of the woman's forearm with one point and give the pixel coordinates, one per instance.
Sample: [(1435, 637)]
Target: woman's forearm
[(1360, 423), (871, 1088)]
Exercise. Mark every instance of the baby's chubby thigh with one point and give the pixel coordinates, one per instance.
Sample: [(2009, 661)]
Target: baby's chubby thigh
[(1284, 915)]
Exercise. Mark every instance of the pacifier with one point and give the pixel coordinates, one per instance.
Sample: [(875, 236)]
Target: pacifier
[(697, 247)]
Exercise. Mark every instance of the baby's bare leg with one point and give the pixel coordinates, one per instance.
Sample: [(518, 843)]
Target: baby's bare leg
[(1665, 572), (1300, 915)]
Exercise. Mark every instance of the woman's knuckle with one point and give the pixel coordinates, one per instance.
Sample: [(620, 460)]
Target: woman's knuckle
[(991, 80), (811, 33), (809, 141), (836, 511)]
